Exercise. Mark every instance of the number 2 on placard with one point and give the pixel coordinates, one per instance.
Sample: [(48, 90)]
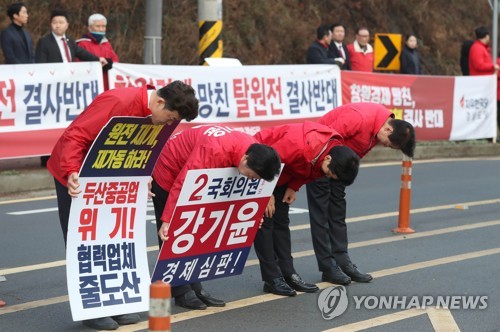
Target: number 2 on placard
[(203, 179)]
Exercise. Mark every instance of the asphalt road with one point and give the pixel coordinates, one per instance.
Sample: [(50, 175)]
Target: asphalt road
[(454, 253)]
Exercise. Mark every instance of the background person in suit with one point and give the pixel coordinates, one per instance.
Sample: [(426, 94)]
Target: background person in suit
[(58, 47), (17, 45), (318, 51), (338, 50)]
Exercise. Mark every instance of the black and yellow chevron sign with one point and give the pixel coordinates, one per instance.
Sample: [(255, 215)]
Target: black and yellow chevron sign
[(210, 44), (387, 47)]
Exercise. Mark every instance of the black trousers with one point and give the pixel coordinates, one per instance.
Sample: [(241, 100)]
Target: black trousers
[(498, 114), (159, 201), (64, 207), (273, 242), (327, 213)]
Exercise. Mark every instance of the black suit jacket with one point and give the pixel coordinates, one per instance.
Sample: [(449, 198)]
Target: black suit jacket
[(317, 53), (335, 53), (14, 49), (47, 50)]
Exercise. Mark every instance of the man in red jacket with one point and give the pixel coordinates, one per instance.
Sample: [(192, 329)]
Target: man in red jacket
[(95, 42), (361, 52), (480, 60), (362, 126), (171, 103), (199, 148), (309, 151)]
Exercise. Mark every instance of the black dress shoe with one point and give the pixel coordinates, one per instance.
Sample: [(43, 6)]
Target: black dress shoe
[(278, 286), (210, 301), (296, 282), (104, 323), (189, 300), (127, 319), (352, 271), (336, 276)]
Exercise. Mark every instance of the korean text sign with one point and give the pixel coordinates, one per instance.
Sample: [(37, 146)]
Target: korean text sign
[(213, 226), (245, 94), (106, 257), (37, 101)]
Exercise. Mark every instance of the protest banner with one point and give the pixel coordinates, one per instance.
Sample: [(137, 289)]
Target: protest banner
[(106, 259), (213, 226)]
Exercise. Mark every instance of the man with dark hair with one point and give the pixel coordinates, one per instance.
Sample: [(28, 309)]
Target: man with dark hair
[(199, 148), (480, 60), (17, 45), (362, 126), (58, 47), (338, 50), (167, 105), (464, 56), (309, 151), (317, 53)]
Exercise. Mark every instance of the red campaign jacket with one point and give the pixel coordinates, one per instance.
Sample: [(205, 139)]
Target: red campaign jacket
[(498, 81), (72, 147), (360, 61), (302, 147), (480, 60), (358, 124), (197, 148), (102, 49)]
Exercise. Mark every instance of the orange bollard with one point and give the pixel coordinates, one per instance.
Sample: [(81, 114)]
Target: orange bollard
[(2, 303), (159, 307), (404, 199)]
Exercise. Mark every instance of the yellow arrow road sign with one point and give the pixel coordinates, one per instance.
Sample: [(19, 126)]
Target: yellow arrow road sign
[(387, 47)]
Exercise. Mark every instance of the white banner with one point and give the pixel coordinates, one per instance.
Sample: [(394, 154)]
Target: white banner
[(106, 259), (474, 107), (106, 256), (46, 96), (245, 94), (213, 226)]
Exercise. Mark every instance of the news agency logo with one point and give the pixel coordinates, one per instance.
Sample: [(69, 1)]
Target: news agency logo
[(333, 302)]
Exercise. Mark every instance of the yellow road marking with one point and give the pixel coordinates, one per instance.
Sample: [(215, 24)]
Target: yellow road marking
[(270, 297), (267, 297), (22, 200), (378, 321), (441, 319), (252, 262), (33, 305)]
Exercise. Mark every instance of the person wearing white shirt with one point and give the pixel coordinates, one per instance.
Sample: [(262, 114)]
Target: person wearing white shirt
[(338, 50), (58, 47)]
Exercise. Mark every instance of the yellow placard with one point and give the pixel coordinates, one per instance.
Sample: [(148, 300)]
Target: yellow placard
[(387, 48)]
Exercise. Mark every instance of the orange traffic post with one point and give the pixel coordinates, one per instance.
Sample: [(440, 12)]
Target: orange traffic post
[(404, 199), (2, 303), (159, 307)]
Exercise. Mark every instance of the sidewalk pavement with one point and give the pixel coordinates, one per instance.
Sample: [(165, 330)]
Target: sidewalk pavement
[(26, 174)]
